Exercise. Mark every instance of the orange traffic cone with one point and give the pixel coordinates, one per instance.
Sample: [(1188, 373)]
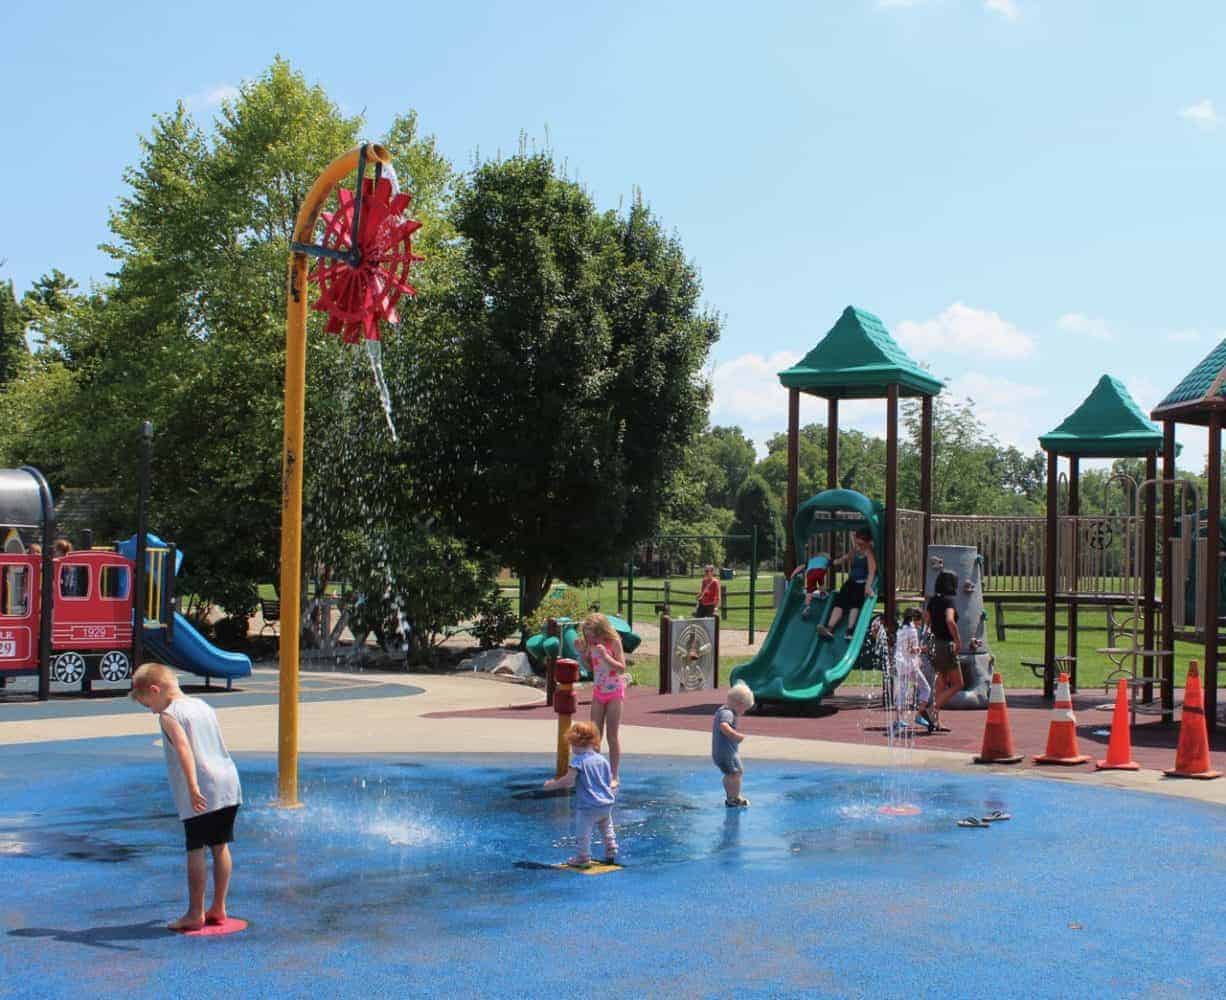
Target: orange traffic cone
[(1192, 754), (1119, 748), (1062, 733), (997, 736)]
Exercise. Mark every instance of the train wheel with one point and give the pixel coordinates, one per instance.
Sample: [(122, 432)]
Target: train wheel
[(68, 668), (115, 666)]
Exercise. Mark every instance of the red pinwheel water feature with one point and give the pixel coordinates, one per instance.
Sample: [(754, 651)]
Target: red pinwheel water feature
[(357, 290)]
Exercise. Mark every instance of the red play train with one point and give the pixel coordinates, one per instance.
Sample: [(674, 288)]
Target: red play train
[(91, 617)]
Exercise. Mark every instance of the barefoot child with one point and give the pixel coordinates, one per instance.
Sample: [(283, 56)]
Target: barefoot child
[(815, 571), (909, 679), (601, 650), (204, 782), (592, 779), (726, 742)]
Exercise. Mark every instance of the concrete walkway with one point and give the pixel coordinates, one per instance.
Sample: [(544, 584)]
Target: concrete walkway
[(478, 714)]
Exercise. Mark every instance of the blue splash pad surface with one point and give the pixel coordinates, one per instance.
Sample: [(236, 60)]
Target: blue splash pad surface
[(399, 878)]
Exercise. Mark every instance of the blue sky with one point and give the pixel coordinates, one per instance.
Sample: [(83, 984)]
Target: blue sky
[(1028, 192)]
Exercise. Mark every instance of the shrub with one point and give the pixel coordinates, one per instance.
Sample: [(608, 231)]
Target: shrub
[(496, 621), (571, 604), (231, 632)]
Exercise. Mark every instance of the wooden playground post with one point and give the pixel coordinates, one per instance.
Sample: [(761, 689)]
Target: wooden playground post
[(666, 654), (891, 507), (1168, 555), (1213, 545), (790, 553), (832, 445), (1149, 570), (1074, 511), (1049, 577)]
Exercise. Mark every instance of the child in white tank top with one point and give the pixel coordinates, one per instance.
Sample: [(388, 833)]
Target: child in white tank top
[(204, 782)]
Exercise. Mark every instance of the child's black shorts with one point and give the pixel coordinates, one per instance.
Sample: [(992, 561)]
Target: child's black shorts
[(210, 829)]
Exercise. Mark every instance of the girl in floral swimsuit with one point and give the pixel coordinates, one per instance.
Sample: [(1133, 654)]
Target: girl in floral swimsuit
[(601, 649)]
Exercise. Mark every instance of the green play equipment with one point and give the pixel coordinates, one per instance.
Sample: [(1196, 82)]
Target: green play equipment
[(542, 647), (795, 664)]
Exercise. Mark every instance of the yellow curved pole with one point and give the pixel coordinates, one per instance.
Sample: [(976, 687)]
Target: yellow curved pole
[(291, 465)]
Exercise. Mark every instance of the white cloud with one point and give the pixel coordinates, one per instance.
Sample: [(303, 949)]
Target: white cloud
[(1145, 392), (1086, 326), (1006, 408), (1202, 114), (1005, 8), (746, 392), (966, 331), (746, 389), (213, 96)]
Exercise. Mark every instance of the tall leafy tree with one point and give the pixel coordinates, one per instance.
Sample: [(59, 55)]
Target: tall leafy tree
[(13, 348), (732, 457), (756, 507), (562, 378)]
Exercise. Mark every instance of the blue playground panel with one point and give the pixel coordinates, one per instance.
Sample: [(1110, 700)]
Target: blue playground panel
[(399, 879)]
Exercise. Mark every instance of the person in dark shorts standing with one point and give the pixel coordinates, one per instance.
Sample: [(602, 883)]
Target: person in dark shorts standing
[(941, 619), (861, 574), (204, 782)]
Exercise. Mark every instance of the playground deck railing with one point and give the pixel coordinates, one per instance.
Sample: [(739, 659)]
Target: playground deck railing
[(1099, 554)]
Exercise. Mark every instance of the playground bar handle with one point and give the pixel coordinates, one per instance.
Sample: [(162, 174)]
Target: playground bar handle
[(291, 462)]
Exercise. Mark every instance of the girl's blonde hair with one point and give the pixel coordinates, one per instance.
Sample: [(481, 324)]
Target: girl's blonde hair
[(583, 734), (741, 694), (598, 625), (149, 674)]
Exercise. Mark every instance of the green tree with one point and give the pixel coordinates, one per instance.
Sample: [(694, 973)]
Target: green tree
[(756, 506), (731, 458), (13, 321), (560, 378)]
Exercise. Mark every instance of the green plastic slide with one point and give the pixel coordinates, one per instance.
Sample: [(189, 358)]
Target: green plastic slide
[(795, 664)]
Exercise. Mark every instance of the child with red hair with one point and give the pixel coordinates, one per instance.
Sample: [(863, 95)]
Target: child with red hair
[(591, 778)]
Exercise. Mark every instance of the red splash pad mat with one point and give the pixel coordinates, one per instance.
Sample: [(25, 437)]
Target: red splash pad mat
[(231, 925), (901, 809)]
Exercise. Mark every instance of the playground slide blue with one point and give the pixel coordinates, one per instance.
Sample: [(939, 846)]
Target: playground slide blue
[(189, 650), (192, 652)]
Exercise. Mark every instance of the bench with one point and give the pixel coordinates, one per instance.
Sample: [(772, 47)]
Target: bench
[(1064, 664), (270, 611)]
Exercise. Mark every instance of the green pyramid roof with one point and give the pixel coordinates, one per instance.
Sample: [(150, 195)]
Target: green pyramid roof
[(858, 359), (1108, 424), (1202, 389)]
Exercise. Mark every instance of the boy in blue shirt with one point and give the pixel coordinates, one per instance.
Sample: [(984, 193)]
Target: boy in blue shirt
[(592, 779), (726, 742)]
